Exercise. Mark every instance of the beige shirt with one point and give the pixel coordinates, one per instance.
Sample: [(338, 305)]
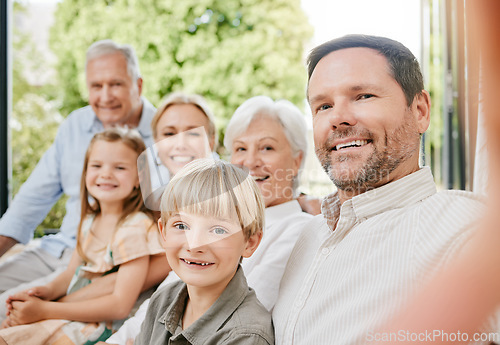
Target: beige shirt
[(341, 283)]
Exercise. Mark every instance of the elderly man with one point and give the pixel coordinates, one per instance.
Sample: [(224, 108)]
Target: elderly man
[(386, 228), (115, 85)]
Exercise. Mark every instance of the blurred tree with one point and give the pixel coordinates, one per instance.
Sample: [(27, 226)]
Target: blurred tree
[(35, 117), (226, 50)]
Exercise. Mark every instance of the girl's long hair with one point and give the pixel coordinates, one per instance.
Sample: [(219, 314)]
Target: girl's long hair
[(132, 204)]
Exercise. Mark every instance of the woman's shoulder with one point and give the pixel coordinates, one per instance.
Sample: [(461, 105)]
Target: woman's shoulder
[(288, 211), (287, 217)]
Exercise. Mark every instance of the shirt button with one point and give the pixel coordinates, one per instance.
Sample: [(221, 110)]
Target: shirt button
[(299, 303), (325, 251)]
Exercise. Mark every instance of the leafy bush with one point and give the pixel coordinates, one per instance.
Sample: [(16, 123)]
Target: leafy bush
[(34, 121)]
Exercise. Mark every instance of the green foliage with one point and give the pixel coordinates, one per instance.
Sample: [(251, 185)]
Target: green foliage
[(226, 50), (34, 120)]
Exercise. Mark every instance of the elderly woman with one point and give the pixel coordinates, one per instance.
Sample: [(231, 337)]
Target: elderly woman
[(268, 138)]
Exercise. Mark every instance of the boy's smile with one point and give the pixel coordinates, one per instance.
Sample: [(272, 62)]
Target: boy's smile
[(194, 262)]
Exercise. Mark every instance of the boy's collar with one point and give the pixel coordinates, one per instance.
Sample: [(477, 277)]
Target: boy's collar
[(215, 317)]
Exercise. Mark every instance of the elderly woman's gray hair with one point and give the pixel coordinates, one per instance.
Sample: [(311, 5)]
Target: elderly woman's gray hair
[(284, 112), (106, 47)]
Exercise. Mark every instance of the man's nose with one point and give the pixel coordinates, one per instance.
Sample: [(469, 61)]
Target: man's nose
[(106, 93), (342, 114)]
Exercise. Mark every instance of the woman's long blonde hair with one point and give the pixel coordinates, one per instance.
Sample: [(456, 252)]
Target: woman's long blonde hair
[(132, 204)]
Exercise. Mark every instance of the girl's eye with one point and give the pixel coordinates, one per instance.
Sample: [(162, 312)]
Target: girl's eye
[(219, 231), (194, 134), (239, 149), (168, 134), (120, 168), (181, 226), (95, 166)]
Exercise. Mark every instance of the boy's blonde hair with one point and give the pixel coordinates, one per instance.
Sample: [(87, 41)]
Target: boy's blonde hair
[(217, 189)]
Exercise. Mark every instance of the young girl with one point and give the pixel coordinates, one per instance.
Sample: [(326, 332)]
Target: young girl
[(116, 233)]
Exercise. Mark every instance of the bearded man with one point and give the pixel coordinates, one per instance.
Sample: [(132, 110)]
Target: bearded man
[(387, 228)]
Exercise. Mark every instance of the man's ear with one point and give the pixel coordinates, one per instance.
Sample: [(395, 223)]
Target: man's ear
[(139, 85), (252, 244), (422, 108)]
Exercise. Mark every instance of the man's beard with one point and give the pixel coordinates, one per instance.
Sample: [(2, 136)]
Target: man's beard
[(397, 148)]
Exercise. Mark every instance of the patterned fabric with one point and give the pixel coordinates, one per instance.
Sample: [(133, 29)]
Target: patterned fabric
[(56, 332), (136, 237)]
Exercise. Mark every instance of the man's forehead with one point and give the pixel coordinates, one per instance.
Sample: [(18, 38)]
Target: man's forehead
[(116, 55), (110, 63), (348, 62), (344, 58)]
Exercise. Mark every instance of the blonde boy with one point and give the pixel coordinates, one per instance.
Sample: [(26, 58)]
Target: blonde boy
[(212, 216)]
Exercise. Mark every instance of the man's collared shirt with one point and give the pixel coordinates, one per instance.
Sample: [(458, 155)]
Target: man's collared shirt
[(236, 317), (59, 172), (360, 261)]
